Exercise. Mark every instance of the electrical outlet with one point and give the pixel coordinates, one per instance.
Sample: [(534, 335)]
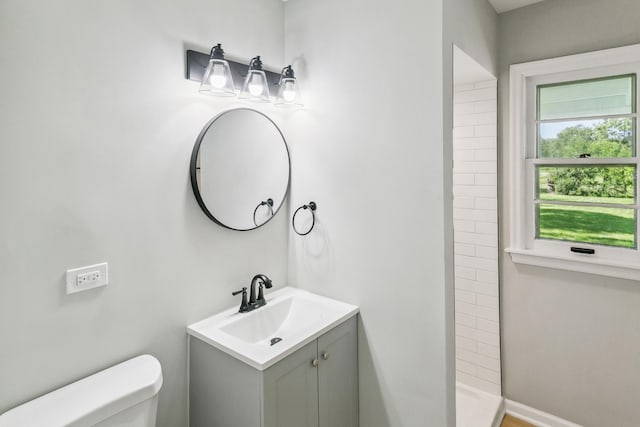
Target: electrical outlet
[(85, 278)]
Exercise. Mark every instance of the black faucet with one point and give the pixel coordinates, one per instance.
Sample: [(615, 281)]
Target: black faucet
[(263, 280), (254, 302)]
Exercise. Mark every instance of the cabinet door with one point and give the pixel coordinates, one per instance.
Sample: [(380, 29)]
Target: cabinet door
[(338, 376), (291, 390)]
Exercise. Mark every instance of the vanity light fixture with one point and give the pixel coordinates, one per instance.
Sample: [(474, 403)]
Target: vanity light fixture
[(217, 79), (288, 89), (216, 76), (256, 87)]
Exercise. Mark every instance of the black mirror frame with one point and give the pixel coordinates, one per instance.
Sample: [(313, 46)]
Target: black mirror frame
[(194, 160)]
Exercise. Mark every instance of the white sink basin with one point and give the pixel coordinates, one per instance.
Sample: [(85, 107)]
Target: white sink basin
[(294, 316)]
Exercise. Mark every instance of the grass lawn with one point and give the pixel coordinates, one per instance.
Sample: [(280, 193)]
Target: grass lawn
[(605, 226)]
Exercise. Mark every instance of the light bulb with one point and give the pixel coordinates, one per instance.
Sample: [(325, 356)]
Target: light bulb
[(289, 91), (218, 79), (255, 86)]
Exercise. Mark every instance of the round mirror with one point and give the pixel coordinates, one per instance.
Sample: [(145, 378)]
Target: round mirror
[(240, 169)]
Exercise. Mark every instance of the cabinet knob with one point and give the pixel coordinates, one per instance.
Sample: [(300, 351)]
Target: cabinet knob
[(325, 355), (314, 363)]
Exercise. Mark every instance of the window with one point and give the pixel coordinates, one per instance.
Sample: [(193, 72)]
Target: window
[(583, 173), (574, 163)]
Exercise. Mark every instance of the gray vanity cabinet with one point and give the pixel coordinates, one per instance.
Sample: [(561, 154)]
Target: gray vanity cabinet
[(316, 386), (338, 376), (291, 390)]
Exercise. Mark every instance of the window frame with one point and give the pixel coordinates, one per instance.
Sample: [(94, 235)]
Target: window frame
[(524, 81)]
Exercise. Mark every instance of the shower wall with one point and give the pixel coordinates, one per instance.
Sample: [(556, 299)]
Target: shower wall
[(476, 235)]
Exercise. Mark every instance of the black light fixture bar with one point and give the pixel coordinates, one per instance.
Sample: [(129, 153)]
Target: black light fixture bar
[(197, 63)]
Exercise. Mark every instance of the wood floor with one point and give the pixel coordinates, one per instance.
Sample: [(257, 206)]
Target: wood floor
[(510, 421)]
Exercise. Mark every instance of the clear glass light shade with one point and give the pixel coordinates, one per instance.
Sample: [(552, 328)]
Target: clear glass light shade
[(255, 87), (289, 93), (217, 79)]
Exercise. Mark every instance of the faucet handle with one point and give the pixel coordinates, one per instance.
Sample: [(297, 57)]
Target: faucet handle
[(261, 301), (243, 291), (244, 305)]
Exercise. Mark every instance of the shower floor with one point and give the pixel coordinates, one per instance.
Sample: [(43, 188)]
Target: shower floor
[(476, 408)]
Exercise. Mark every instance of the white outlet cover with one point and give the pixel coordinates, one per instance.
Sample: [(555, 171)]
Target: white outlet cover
[(72, 278)]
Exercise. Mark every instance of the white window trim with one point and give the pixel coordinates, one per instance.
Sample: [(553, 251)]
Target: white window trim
[(518, 248)]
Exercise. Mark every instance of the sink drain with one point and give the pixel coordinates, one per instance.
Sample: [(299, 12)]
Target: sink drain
[(275, 340)]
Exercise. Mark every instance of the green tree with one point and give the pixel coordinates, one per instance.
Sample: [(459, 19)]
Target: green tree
[(611, 138)]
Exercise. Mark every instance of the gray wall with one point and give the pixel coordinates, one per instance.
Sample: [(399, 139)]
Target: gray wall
[(472, 25), (571, 342), (370, 154), (96, 129)]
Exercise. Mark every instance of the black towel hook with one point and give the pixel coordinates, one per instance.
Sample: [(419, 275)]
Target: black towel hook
[(312, 207)]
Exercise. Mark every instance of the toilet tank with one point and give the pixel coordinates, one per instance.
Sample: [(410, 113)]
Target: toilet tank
[(125, 395)]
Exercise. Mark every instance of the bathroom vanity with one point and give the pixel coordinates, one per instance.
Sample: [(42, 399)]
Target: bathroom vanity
[(291, 363)]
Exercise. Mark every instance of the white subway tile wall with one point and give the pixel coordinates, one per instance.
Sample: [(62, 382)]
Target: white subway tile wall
[(475, 217)]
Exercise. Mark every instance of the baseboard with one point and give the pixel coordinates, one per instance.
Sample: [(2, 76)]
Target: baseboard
[(534, 416)]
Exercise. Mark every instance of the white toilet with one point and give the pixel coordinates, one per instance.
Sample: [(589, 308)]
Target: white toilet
[(125, 395)]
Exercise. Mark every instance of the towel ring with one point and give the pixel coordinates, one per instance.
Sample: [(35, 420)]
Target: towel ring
[(268, 203), (312, 207)]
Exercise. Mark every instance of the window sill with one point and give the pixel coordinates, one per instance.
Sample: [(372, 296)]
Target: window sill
[(579, 263)]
